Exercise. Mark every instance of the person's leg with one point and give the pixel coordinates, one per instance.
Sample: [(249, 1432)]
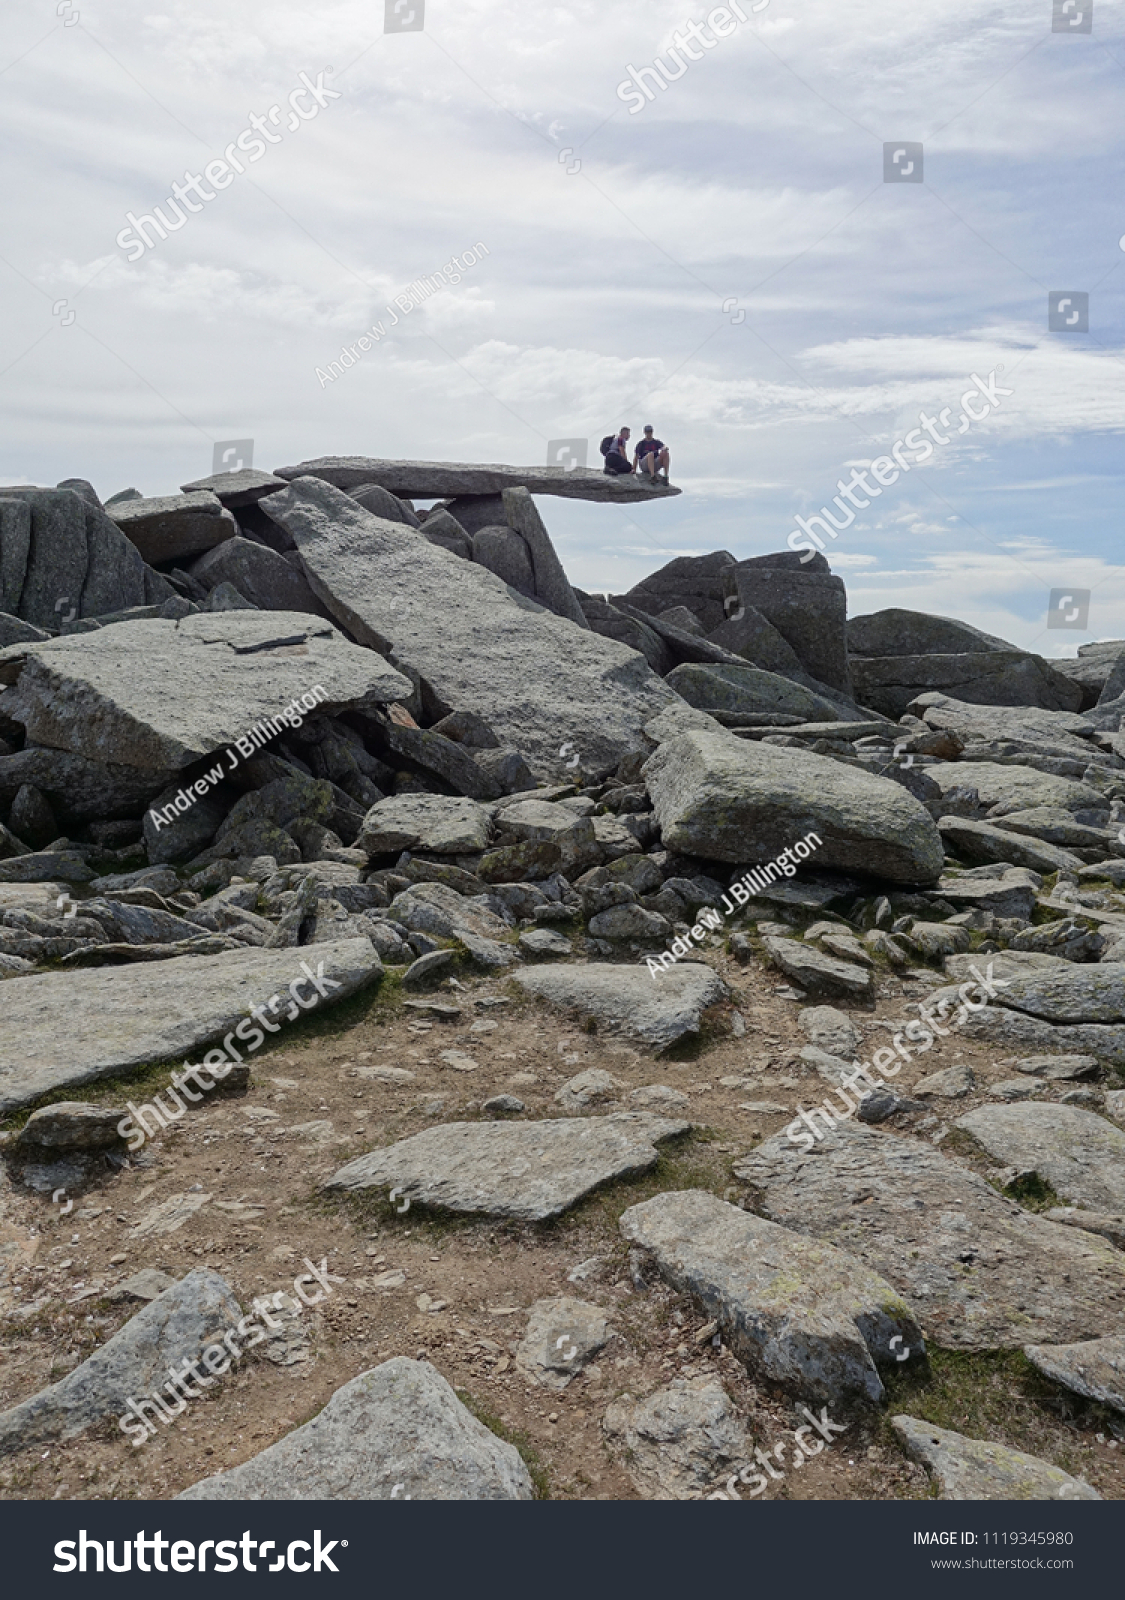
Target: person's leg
[(664, 462)]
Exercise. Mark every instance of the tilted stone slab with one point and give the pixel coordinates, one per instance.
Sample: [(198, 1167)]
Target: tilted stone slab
[(1094, 1368), (1015, 1030), (397, 1431), (1081, 1155), (1067, 992), (242, 488), (161, 694), (629, 999), (527, 1170), (980, 1272), (68, 1028), (976, 1469), (980, 842), (432, 480), (539, 681), (167, 527), (795, 1311), (712, 793), (177, 1326), (1015, 788)]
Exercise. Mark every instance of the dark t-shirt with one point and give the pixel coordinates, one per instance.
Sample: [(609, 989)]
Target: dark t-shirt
[(648, 447)]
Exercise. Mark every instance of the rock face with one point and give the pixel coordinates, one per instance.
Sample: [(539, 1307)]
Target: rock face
[(807, 608), (916, 633), (1081, 1155), (528, 1170), (796, 1312), (161, 694), (430, 480), (973, 1469), (980, 1273), (721, 798), (176, 1326), (475, 647), (744, 689), (989, 677), (658, 1011), (1095, 1368), (57, 545), (68, 1028), (395, 1432), (563, 1336), (681, 1441)]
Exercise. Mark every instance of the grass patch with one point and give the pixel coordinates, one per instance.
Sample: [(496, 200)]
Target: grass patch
[(1032, 1192), (532, 1460)]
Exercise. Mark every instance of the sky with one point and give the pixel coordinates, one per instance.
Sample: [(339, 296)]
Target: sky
[(726, 260)]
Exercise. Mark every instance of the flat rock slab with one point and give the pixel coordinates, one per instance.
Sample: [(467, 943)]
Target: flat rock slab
[(712, 793), (477, 644), (680, 1441), (1095, 1368), (629, 1000), (242, 488), (982, 842), (974, 1469), (1014, 788), (563, 1336), (169, 527), (1081, 1155), (395, 1432), (1058, 1067), (161, 694), (432, 480), (980, 1272), (1069, 992), (528, 1170), (816, 972), (795, 1311), (63, 1029), (178, 1325), (1009, 1029), (437, 823)]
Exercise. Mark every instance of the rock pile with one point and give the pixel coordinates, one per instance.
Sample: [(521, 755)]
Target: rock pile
[(292, 729)]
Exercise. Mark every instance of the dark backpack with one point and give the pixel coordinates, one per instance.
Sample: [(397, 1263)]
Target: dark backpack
[(607, 444)]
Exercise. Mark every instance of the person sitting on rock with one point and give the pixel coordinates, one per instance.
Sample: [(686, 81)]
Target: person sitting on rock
[(617, 456), (652, 457)]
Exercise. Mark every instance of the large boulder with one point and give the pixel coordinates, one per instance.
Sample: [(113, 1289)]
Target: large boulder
[(895, 632), (431, 480), (503, 552), (733, 800), (474, 645), (807, 608), (1081, 1155), (691, 581), (747, 690), (78, 788), (434, 823), (60, 555), (261, 574), (161, 694), (985, 677), (1003, 788), (613, 623), (660, 1011), (397, 1431), (168, 527), (551, 585)]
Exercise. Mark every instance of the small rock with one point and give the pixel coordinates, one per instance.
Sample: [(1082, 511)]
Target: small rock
[(562, 1336), (143, 1285), (590, 1088), (973, 1469), (545, 942), (501, 1104), (952, 1084), (72, 1125), (1058, 1066), (428, 969), (680, 1441), (460, 1061), (658, 1094)]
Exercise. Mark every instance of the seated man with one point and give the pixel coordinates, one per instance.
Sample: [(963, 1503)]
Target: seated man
[(652, 457), (617, 456)]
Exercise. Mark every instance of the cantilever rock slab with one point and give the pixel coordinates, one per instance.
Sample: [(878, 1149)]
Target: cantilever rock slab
[(527, 1170), (431, 480), (66, 1028)]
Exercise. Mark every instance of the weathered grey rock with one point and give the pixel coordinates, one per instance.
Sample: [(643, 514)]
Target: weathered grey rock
[(628, 999), (680, 1441), (31, 817), (67, 1028), (692, 581), (170, 526), (982, 842), (526, 1170), (78, 787), (563, 1335), (590, 1088), (747, 633), (12, 629), (1064, 992), (429, 969), (895, 632), (1064, 1067), (795, 1311), (71, 1125), (1054, 826), (438, 910), (263, 576), (436, 824), (172, 835), (988, 677), (744, 689), (40, 866), (446, 759), (951, 1083), (658, 1097), (397, 1431), (475, 647), (551, 585), (974, 1469), (1011, 1030), (980, 1272), (177, 1326), (15, 546), (808, 608), (1081, 1155), (613, 623), (1064, 731), (226, 597), (242, 488), (711, 792), (504, 553), (545, 942), (1014, 788), (1010, 893), (162, 694), (1094, 1368), (817, 973), (144, 1285), (429, 480), (932, 940), (374, 498), (831, 1030), (631, 924)]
